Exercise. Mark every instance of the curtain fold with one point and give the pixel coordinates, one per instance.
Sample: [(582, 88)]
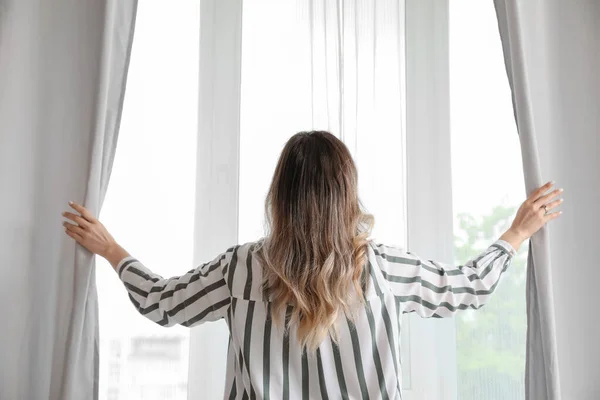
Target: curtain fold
[(552, 57), (62, 78), (522, 62)]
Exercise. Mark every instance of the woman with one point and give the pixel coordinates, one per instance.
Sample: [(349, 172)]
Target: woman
[(314, 308)]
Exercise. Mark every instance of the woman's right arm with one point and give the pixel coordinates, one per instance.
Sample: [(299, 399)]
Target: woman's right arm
[(433, 289), (198, 296)]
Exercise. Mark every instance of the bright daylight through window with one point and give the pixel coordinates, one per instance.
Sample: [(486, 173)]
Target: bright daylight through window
[(290, 83), (151, 197), (487, 190), (149, 206)]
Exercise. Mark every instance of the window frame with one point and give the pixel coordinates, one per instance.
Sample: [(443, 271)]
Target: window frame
[(217, 174), (432, 375)]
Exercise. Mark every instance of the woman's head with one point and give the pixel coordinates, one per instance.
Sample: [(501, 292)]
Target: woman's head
[(315, 251)]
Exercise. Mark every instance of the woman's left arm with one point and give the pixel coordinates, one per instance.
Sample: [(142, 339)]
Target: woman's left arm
[(432, 289), (198, 296)]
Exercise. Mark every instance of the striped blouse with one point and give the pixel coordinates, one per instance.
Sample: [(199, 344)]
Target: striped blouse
[(264, 362)]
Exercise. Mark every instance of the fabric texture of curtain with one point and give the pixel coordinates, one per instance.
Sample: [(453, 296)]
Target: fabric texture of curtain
[(552, 57), (62, 78)]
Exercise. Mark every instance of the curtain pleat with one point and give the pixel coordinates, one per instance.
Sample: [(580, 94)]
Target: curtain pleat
[(541, 370), (62, 77), (551, 56)]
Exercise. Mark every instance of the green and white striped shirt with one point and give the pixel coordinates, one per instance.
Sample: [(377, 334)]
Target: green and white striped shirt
[(265, 363)]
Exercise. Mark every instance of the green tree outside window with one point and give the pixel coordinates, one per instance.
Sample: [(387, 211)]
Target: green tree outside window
[(491, 341)]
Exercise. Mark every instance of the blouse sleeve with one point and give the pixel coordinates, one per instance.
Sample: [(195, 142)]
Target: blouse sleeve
[(198, 296), (433, 289)]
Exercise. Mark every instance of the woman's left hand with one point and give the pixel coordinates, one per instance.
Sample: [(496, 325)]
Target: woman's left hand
[(88, 231)]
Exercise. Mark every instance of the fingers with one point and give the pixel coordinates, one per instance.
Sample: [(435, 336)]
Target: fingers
[(547, 197), (551, 216), (553, 204), (76, 218), (539, 191), (83, 211), (73, 228), (75, 236)]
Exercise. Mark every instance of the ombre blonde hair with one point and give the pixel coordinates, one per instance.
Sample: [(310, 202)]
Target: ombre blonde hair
[(315, 252)]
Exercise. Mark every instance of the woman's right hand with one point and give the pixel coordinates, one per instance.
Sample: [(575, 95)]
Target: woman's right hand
[(86, 230), (534, 213)]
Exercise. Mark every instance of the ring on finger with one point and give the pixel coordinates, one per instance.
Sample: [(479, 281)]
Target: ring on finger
[(545, 209)]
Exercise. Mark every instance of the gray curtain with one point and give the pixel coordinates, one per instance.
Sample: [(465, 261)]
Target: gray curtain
[(62, 77), (552, 54)]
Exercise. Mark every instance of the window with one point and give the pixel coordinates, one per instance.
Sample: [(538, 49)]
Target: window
[(487, 189), (149, 207), (150, 202)]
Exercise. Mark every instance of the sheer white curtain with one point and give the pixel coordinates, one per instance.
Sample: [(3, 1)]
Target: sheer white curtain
[(294, 65), (325, 65)]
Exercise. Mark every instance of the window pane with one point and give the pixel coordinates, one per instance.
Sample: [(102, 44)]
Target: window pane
[(149, 207), (487, 189)]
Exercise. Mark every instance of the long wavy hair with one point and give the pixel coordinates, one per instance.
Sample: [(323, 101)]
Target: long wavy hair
[(315, 252)]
